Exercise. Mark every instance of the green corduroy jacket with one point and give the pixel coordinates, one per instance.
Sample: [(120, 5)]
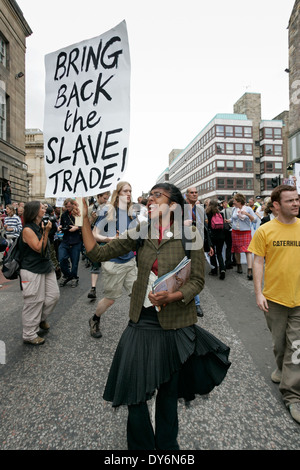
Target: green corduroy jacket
[(169, 252)]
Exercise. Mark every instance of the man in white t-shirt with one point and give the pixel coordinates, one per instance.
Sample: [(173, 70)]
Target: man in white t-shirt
[(276, 247)]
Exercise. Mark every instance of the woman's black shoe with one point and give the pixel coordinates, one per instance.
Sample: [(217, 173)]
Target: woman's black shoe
[(213, 272), (199, 311)]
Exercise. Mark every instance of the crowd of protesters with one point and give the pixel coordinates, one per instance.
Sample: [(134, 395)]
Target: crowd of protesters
[(224, 243), (227, 227)]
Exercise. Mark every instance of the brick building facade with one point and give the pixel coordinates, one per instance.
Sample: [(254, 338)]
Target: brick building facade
[(236, 152)]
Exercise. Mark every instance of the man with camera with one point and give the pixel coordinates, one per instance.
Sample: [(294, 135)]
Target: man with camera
[(70, 247)]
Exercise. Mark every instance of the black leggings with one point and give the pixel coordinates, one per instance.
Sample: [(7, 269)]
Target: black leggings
[(140, 434)]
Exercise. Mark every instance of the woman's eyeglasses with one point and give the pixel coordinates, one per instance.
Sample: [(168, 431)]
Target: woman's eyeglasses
[(158, 194)]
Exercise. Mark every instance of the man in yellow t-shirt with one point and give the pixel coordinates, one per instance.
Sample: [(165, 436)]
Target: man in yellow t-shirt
[(276, 246)]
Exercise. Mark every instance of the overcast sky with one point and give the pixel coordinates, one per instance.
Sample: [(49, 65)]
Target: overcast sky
[(189, 61)]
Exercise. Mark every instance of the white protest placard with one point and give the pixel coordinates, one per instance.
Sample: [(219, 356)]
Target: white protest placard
[(60, 201), (87, 114), (297, 174)]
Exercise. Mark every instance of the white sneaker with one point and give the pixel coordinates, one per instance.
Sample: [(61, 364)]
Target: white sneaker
[(74, 282), (295, 411)]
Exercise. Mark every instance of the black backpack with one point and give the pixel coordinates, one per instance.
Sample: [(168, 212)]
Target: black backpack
[(11, 261)]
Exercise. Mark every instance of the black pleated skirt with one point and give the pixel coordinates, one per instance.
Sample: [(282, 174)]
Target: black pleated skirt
[(147, 356)]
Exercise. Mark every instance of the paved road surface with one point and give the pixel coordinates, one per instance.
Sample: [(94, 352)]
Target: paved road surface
[(51, 396)]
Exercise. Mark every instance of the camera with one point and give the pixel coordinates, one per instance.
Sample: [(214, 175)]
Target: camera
[(65, 228), (45, 219)]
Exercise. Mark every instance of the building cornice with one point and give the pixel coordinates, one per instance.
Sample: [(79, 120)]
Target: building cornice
[(26, 28)]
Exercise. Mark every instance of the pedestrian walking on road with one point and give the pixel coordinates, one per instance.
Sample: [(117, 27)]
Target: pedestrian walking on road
[(12, 224), (120, 271), (160, 350), (276, 247), (196, 215), (39, 284), (97, 212), (241, 219), (217, 234), (70, 246)]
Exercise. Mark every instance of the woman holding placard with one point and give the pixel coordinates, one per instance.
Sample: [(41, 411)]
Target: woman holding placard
[(165, 350)]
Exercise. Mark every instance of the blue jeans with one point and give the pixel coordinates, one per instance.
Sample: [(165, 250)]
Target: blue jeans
[(67, 253), (197, 300)]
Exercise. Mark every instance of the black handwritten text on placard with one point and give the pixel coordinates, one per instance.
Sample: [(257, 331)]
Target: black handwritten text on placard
[(85, 153)]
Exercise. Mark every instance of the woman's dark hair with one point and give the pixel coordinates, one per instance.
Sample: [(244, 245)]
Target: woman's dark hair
[(31, 210), (213, 207), (174, 193)]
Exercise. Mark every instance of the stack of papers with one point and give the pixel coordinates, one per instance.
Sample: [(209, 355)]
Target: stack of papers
[(173, 280)]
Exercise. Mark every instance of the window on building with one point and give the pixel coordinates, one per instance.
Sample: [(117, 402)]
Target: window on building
[(230, 165), (239, 183), (229, 183), (238, 131), (220, 165), (277, 150), (268, 132), (248, 166), (229, 131), (220, 148), (3, 51), (249, 183), (220, 131), (294, 143), (268, 149), (238, 149), (221, 183), (239, 165), (229, 149), (269, 166), (247, 131), (248, 149), (277, 133), (278, 166), (2, 114)]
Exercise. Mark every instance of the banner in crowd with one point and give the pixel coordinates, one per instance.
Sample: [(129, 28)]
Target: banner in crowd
[(87, 113)]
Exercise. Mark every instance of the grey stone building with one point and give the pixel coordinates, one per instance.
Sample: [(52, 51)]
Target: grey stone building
[(294, 84), (13, 33)]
